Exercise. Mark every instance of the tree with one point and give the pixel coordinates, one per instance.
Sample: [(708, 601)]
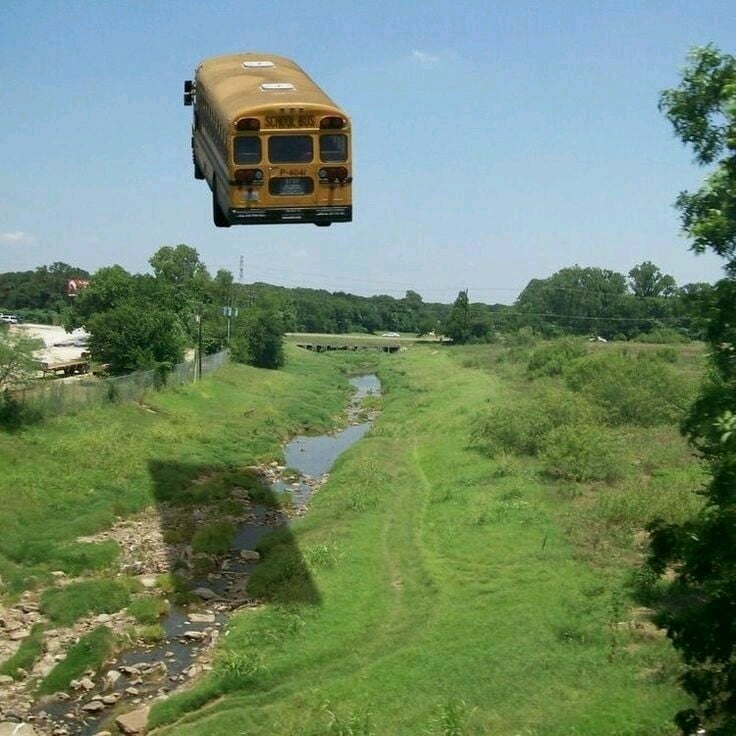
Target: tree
[(17, 362), (133, 336), (646, 280), (699, 612), (260, 341), (457, 324)]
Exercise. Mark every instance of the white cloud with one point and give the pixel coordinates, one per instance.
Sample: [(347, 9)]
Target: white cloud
[(16, 236), (425, 59)]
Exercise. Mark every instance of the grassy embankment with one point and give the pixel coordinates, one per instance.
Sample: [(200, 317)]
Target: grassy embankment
[(471, 587)]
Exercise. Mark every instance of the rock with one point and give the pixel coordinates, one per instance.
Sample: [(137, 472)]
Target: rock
[(148, 581), (132, 691), (19, 634), (58, 573), (103, 618), (195, 635), (16, 729), (111, 699), (250, 554), (205, 593), (111, 679), (202, 618), (86, 684), (94, 706), (134, 722), (103, 733), (6, 680)]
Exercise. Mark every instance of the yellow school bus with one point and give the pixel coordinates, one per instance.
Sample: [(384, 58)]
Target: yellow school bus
[(273, 147)]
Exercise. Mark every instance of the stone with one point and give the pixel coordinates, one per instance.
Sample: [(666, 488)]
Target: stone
[(111, 699), (19, 634), (132, 691), (202, 618), (250, 555), (94, 706), (86, 684), (205, 593), (134, 722), (6, 680), (16, 729), (195, 635), (148, 581), (111, 679), (103, 618)]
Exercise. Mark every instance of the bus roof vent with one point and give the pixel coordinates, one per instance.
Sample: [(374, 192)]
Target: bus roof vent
[(257, 64), (273, 86)]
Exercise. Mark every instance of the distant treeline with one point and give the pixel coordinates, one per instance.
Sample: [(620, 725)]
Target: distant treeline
[(575, 300)]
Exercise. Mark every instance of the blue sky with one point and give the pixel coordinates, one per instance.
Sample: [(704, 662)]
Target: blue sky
[(493, 142)]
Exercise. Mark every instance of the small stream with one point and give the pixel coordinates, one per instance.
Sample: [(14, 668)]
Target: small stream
[(145, 673)]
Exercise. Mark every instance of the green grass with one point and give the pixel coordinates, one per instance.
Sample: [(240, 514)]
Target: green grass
[(90, 652), (88, 470), (29, 651), (148, 609), (66, 604), (441, 590)]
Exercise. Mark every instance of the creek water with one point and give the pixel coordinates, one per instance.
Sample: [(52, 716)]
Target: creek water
[(142, 668)]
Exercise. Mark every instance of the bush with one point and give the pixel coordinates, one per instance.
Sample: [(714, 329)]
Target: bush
[(662, 335), (643, 392), (214, 539), (553, 358), (522, 427), (581, 452)]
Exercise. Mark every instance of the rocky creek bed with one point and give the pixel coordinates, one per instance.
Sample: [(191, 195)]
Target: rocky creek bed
[(118, 698)]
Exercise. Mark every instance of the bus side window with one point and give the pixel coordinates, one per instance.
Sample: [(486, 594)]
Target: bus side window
[(333, 148)]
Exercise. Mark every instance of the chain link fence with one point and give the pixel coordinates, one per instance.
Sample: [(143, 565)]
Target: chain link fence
[(56, 397)]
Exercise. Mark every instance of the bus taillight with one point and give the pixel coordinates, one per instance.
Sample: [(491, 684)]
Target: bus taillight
[(333, 122), (248, 176), (248, 124)]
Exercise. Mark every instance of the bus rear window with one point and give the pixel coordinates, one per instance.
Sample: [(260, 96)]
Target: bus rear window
[(247, 150), (290, 149), (333, 148)]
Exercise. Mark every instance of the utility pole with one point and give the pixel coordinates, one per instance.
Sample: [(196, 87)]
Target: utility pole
[(199, 346)]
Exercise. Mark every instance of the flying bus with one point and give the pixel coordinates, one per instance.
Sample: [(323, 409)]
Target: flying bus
[(272, 146)]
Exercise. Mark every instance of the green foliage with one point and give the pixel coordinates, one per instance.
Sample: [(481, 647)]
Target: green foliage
[(467, 322), (66, 604), (697, 609), (581, 452), (148, 609), (647, 281), (522, 426), (261, 340), (213, 539), (90, 652), (554, 357), (135, 336), (41, 292), (662, 335), (631, 390), (29, 651), (17, 363)]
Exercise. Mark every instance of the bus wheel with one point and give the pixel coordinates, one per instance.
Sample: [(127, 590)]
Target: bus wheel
[(218, 216), (323, 224)]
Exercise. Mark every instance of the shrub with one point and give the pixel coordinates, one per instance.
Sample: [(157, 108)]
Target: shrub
[(663, 335), (553, 358), (523, 426), (148, 610), (581, 452), (643, 392)]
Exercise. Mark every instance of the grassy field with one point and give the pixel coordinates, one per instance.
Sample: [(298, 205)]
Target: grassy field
[(474, 560), (75, 475)]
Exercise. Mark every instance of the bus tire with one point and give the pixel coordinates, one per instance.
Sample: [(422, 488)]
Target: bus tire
[(323, 224), (218, 216)]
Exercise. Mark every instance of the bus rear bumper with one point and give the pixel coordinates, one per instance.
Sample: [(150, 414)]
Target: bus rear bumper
[(315, 215)]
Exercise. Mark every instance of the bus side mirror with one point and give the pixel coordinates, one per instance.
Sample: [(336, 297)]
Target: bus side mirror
[(188, 97)]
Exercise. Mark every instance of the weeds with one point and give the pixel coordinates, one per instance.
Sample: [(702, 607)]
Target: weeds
[(148, 609), (30, 649), (65, 605), (90, 652)]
